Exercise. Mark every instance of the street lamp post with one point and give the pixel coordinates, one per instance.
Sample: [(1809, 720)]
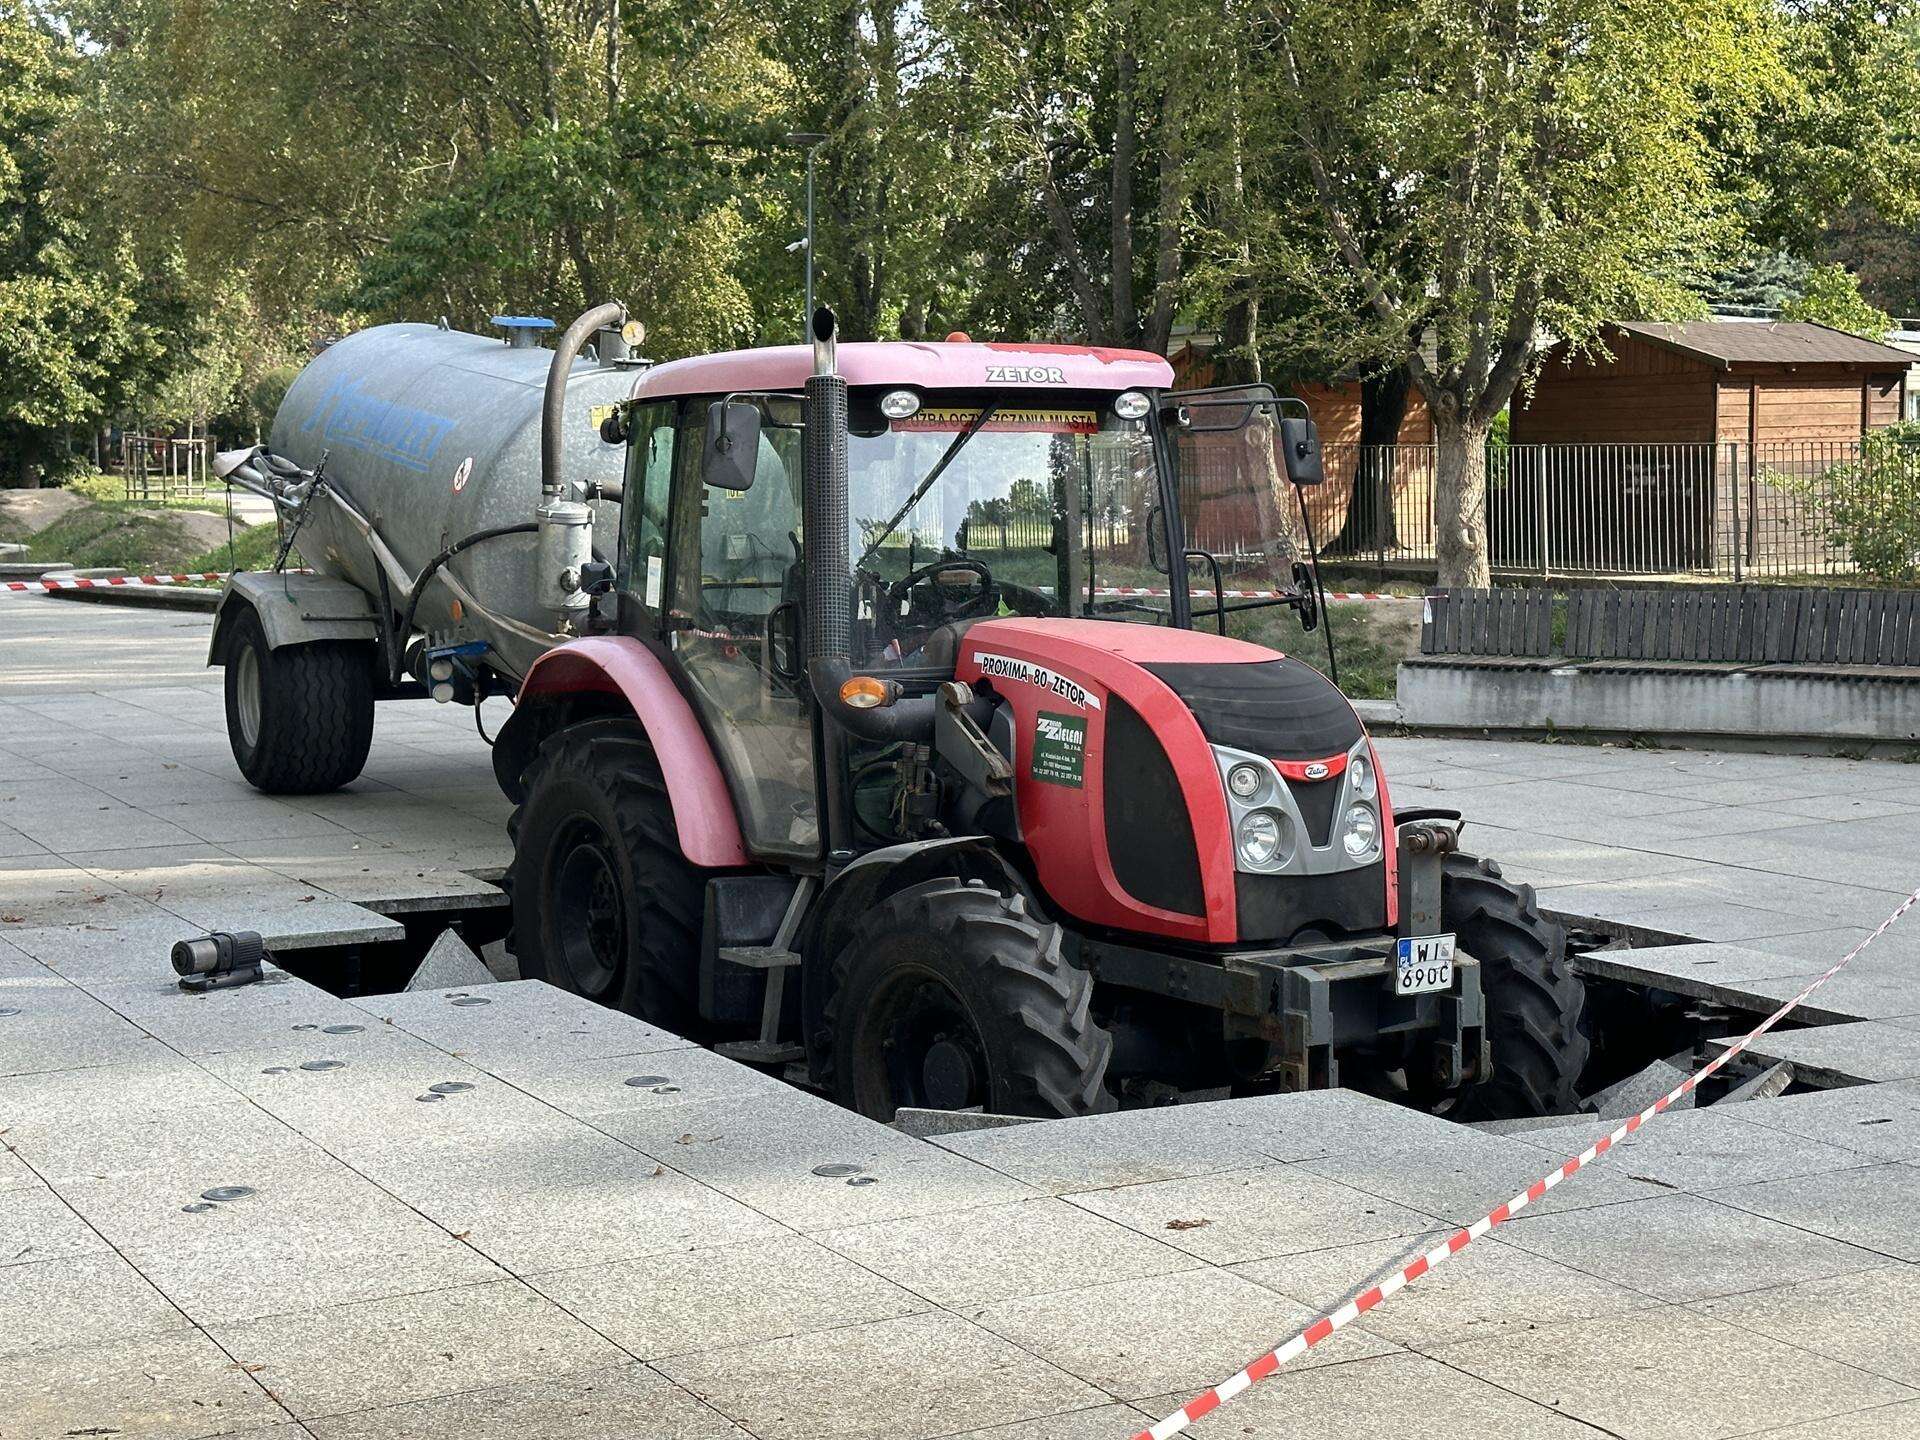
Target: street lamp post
[(810, 141)]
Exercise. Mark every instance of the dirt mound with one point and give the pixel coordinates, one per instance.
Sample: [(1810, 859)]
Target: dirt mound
[(34, 510)]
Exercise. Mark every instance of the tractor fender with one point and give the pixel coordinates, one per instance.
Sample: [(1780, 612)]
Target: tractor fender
[(295, 609), (604, 675), (863, 884)]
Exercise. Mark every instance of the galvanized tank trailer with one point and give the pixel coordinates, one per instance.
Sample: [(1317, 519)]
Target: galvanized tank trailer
[(443, 489)]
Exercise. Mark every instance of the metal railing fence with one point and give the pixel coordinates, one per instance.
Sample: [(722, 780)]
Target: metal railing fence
[(1723, 509)]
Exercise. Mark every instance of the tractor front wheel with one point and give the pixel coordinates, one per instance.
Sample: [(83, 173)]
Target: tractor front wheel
[(953, 996), (604, 903), (1534, 1000)]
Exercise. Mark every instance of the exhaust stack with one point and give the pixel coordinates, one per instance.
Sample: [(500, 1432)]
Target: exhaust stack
[(825, 551)]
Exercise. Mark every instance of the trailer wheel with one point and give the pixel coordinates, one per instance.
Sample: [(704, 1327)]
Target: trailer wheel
[(1534, 1000), (300, 718), (604, 904), (951, 996)]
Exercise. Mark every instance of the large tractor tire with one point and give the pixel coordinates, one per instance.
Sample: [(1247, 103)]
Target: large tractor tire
[(1534, 1000), (604, 903), (951, 996), (300, 718)]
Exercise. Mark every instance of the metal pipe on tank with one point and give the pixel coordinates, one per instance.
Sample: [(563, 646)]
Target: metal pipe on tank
[(553, 409)]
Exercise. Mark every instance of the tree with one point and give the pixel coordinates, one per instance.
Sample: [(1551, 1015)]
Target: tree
[(1832, 297), (78, 327), (1552, 166)]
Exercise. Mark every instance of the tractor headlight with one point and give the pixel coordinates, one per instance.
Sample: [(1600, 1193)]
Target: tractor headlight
[(1260, 837), (1360, 778), (1359, 831), (1245, 781)]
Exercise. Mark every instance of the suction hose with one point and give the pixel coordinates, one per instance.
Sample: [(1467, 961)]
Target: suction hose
[(553, 408)]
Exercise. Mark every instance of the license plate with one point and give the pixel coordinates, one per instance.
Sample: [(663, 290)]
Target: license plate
[(1426, 964)]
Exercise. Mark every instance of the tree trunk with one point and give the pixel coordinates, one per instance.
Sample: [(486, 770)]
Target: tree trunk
[(1120, 200), (1370, 523), (1460, 500)]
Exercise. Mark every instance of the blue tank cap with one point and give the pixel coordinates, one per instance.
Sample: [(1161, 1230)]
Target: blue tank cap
[(523, 322)]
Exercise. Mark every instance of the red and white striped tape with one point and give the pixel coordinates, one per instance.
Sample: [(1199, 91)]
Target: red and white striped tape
[(1210, 1400), (46, 585), (1160, 592)]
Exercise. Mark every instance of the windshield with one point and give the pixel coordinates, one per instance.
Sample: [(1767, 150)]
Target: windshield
[(981, 506), (1038, 510)]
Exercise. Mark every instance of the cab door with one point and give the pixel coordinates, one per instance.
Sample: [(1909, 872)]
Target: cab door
[(725, 601)]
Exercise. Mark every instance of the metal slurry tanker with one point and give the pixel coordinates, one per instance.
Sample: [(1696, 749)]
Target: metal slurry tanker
[(437, 479)]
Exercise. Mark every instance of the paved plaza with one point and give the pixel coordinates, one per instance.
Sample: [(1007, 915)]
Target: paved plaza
[(504, 1214)]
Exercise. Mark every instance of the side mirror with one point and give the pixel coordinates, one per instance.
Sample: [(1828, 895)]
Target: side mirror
[(613, 429), (1300, 442), (731, 450)]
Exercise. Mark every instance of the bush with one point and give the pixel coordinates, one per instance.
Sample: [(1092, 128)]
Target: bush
[(94, 485), (1872, 505)]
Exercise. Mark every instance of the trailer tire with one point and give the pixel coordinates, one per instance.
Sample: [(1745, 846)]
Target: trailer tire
[(604, 903), (1534, 1000), (950, 994), (300, 718)]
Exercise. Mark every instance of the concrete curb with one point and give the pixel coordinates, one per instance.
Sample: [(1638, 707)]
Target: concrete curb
[(150, 597)]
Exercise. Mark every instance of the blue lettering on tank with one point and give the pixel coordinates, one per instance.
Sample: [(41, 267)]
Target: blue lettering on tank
[(408, 437)]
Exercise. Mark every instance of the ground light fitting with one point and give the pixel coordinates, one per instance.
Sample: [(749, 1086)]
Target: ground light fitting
[(219, 959)]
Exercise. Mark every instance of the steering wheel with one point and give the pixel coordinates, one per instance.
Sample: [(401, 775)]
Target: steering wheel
[(951, 598)]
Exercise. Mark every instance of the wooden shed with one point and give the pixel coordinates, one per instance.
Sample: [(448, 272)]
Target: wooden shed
[(1753, 383)]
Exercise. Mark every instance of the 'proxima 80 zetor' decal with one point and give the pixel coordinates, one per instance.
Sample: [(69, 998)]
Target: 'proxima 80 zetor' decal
[(1005, 667)]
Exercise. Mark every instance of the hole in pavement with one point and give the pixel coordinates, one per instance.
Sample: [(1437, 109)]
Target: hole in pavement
[(1636, 1030)]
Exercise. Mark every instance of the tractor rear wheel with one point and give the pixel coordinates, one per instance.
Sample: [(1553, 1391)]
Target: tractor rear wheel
[(604, 903), (1534, 1000), (300, 718), (953, 996)]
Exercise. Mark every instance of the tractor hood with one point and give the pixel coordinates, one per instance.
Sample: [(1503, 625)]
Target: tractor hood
[(1121, 734)]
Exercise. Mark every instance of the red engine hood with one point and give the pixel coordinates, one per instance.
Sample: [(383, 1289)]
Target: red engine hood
[(1140, 644)]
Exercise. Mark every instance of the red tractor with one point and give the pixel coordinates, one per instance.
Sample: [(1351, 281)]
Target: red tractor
[(899, 755)]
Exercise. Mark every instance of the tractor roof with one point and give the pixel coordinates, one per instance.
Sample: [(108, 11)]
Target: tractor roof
[(943, 365)]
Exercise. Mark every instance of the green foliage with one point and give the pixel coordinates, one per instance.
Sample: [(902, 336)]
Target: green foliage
[(80, 324), (1872, 505), (121, 536), (1759, 280), (1832, 297), (253, 549)]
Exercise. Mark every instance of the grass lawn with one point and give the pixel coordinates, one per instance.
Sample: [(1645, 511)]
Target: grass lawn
[(253, 549), (98, 536)]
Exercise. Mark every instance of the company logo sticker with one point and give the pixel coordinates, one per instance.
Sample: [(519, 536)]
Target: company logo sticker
[(461, 474), (1005, 667), (1316, 771), (1059, 749)]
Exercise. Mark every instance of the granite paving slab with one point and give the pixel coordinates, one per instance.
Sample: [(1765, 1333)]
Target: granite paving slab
[(1685, 1247), (611, 1404), (1251, 1214), (1490, 1289), (443, 1342), (725, 1295), (1882, 1121), (1385, 1397), (1825, 1055), (1670, 1374), (999, 1252), (82, 1300), (1876, 1207), (1869, 1320), (1697, 1150), (1180, 1332), (854, 1382), (148, 1387)]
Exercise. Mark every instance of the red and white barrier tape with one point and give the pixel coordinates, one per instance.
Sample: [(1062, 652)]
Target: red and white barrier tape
[(1210, 1400), (47, 586)]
